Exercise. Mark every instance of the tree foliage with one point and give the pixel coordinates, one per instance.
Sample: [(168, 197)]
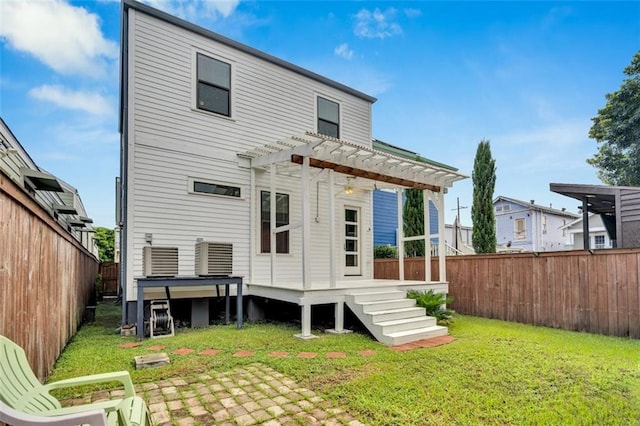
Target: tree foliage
[(413, 222), (104, 238), (617, 129), (482, 214)]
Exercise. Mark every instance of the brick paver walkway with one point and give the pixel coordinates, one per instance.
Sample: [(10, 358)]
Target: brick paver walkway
[(249, 395)]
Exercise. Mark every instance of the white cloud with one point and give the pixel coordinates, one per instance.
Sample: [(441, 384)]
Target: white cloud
[(412, 13), (343, 51), (196, 9), (92, 103), (377, 24), (64, 37)]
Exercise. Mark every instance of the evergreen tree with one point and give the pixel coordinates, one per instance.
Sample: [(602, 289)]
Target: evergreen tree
[(482, 214), (413, 222)]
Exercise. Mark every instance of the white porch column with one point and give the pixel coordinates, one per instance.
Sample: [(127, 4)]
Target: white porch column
[(400, 233), (252, 223), (332, 230), (426, 197), (339, 317), (306, 225), (442, 274), (272, 221), (306, 323)]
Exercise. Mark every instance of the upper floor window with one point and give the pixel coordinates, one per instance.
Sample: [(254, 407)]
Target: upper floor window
[(599, 241), (520, 230), (328, 117), (214, 85), (282, 218)]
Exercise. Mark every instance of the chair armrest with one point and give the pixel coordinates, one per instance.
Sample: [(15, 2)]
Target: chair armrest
[(117, 376), (13, 417)]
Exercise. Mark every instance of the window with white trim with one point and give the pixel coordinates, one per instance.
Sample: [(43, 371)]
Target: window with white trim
[(212, 188), (520, 232), (282, 218), (599, 241), (214, 85), (328, 117)]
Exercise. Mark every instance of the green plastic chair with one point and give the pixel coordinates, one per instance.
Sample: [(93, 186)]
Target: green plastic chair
[(21, 392)]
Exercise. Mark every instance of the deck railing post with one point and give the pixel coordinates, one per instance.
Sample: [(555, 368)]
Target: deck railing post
[(442, 273), (400, 235), (306, 225), (426, 197)]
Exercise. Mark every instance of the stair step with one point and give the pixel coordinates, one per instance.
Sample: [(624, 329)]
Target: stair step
[(402, 337), (378, 305), (378, 295), (392, 314), (406, 324)]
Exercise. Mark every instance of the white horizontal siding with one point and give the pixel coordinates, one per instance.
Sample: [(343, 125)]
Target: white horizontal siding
[(170, 141)]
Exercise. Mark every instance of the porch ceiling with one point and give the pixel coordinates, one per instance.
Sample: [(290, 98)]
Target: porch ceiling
[(353, 159)]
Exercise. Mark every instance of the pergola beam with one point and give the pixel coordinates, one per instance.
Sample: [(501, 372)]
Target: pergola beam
[(348, 170)]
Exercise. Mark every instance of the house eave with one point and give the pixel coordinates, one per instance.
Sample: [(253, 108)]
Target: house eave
[(156, 13)]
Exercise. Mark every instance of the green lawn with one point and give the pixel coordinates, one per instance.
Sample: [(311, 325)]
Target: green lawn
[(494, 373)]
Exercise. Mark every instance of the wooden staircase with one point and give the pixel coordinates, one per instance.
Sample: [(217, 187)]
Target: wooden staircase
[(392, 318)]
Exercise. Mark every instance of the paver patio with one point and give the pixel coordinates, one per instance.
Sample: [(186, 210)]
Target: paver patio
[(250, 395)]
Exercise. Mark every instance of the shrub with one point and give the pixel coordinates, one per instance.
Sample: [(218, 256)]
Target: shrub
[(434, 304), (385, 252)]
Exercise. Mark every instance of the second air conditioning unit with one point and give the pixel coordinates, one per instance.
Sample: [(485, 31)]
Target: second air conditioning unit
[(214, 258), (160, 261)]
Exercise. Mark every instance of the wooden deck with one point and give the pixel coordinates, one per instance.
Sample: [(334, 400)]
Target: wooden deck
[(323, 293)]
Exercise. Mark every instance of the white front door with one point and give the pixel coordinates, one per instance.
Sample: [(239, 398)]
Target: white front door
[(352, 252)]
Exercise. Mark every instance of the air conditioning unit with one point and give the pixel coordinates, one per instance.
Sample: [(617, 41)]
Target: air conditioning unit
[(160, 261), (214, 258)]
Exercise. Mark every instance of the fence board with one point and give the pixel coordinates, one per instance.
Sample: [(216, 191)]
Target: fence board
[(110, 278), (46, 277), (593, 291)]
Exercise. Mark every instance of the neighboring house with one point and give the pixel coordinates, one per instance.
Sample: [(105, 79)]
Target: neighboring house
[(617, 207), (527, 226), (385, 209), (598, 235), (227, 146), (385, 224), (57, 197)]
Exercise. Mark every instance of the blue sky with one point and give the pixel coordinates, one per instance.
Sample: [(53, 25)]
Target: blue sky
[(526, 75)]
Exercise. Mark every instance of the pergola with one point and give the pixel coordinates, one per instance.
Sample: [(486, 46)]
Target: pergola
[(329, 158)]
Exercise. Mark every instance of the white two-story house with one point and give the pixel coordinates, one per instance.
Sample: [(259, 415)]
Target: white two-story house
[(228, 145)]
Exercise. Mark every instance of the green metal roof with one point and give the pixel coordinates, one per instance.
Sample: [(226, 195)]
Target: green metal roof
[(405, 153)]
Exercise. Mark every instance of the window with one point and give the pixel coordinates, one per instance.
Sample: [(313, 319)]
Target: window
[(328, 117), (214, 85), (282, 218), (519, 229), (544, 223), (215, 189), (599, 241)]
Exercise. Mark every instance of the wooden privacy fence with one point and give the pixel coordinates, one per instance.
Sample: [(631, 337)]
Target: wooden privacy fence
[(593, 291), (110, 273), (46, 278)]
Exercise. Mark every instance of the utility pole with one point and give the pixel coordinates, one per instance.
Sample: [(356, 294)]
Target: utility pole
[(455, 231)]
